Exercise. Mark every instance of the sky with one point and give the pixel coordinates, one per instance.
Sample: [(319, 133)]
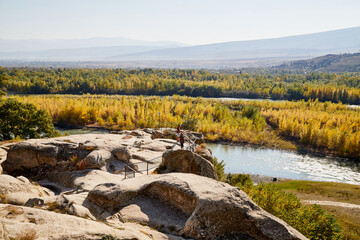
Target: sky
[(188, 21)]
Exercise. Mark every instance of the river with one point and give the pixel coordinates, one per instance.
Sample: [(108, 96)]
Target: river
[(286, 164)]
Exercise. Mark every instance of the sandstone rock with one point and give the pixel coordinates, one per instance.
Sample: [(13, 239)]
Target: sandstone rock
[(213, 210), (137, 133), (31, 153), (188, 162), (205, 153), (122, 153), (97, 159), (20, 190), (30, 223), (84, 180), (36, 158), (111, 196), (157, 134), (3, 154)]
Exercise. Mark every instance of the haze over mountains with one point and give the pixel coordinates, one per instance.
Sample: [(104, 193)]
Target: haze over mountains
[(265, 52)]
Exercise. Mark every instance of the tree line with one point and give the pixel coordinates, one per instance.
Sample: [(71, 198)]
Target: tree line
[(325, 126), (332, 87)]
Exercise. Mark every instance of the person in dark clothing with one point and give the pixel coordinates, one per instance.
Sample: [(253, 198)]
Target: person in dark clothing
[(182, 140), (178, 133)]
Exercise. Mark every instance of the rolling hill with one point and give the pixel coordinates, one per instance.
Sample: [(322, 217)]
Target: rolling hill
[(327, 63)]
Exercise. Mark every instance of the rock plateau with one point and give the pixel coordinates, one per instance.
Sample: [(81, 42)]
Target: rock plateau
[(74, 187)]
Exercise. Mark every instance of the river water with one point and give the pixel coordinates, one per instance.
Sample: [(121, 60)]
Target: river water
[(286, 164)]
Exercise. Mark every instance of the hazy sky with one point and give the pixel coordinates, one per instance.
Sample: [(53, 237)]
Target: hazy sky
[(188, 21)]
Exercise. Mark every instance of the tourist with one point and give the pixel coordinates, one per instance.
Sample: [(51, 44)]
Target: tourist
[(178, 133), (182, 140)]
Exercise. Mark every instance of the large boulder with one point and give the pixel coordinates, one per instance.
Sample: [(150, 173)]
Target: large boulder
[(19, 190), (188, 162), (96, 159), (30, 154), (122, 153), (209, 209)]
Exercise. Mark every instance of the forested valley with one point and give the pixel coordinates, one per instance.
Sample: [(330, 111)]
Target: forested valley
[(344, 88)]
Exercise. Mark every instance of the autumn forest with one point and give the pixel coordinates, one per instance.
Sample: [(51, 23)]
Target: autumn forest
[(316, 118)]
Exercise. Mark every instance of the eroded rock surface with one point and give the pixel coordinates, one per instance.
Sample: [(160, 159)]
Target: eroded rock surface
[(19, 190), (83, 176), (188, 162), (99, 151), (19, 222), (213, 210)]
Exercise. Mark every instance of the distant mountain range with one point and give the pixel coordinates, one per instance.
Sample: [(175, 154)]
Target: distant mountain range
[(122, 51), (327, 63)]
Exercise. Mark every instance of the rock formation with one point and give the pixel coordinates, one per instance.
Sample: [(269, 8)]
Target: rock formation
[(104, 151), (188, 162), (198, 207), (83, 176), (18, 222)]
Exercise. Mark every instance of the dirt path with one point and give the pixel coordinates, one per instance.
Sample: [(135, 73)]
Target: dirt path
[(331, 203)]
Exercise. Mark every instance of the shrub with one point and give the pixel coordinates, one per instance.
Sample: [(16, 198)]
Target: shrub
[(239, 180), (220, 169), (250, 112), (312, 221), (190, 124)]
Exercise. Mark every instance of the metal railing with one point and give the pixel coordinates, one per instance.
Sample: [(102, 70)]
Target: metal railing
[(151, 161), (190, 147), (131, 171)]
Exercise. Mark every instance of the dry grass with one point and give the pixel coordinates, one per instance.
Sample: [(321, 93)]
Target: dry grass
[(53, 206), (74, 159), (3, 198), (349, 220), (323, 191)]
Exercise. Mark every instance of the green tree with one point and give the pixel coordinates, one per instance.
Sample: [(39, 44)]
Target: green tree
[(24, 120), (2, 89)]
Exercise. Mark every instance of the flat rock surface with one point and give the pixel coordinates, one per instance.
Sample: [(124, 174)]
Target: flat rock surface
[(17, 222)]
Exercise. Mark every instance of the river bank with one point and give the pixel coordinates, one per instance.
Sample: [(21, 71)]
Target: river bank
[(285, 144), (266, 163)]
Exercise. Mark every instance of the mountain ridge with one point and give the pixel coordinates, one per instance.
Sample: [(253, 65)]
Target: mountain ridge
[(236, 54)]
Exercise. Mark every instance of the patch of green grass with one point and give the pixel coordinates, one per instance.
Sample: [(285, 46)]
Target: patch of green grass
[(330, 191)]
